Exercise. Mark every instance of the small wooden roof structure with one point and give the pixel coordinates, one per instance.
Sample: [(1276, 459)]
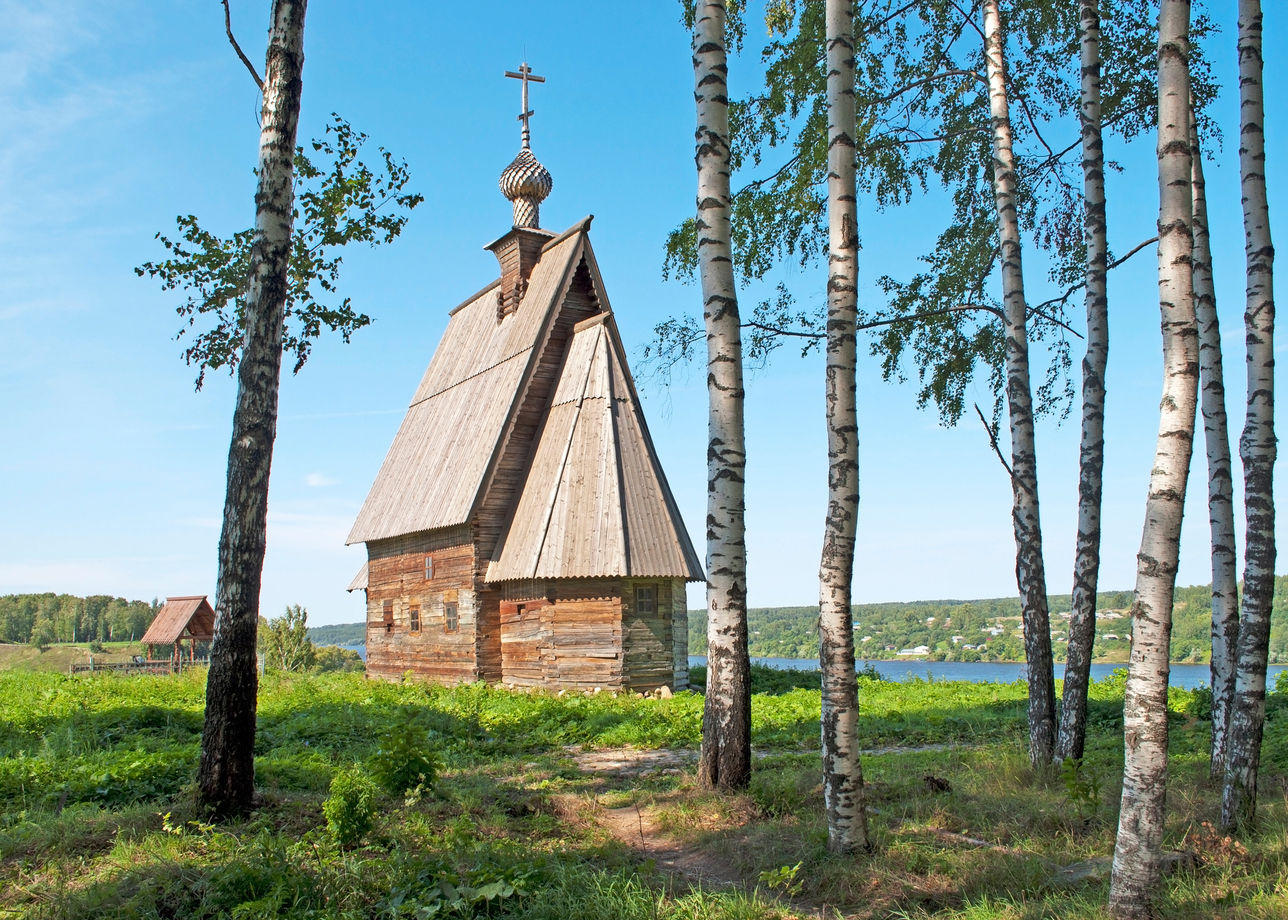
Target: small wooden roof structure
[(594, 500), (359, 580), (189, 617)]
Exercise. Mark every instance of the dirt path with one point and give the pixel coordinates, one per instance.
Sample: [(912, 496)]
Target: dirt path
[(640, 827)]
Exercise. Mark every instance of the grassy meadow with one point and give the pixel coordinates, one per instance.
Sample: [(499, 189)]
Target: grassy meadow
[(405, 800)]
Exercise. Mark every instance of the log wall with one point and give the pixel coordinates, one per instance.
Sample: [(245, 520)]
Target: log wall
[(396, 584), (680, 634), (565, 633)]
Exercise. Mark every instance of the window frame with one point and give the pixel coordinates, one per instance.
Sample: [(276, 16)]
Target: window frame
[(429, 567), (640, 608), (451, 617), (413, 618)]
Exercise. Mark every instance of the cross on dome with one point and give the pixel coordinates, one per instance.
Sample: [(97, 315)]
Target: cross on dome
[(525, 182), (525, 74)]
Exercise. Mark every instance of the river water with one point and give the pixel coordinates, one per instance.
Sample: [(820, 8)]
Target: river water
[(980, 672), (1182, 675)]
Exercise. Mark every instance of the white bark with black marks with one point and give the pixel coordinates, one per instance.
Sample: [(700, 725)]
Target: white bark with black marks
[(847, 828), (1138, 848), (1030, 575), (1220, 478), (1091, 455), (725, 759), (1257, 445), (226, 775)]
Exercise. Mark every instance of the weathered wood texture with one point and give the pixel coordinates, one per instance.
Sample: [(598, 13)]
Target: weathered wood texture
[(437, 463), (398, 580), (591, 633), (680, 634), (595, 503), (501, 489)]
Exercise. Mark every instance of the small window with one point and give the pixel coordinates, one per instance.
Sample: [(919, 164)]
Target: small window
[(413, 617), (429, 568), (646, 601), (387, 611), (451, 620)]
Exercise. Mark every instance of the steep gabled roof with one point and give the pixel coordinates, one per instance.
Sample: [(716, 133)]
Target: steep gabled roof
[(179, 613), (595, 503), (439, 459)]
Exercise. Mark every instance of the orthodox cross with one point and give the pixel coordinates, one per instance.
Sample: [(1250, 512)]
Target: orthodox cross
[(525, 74)]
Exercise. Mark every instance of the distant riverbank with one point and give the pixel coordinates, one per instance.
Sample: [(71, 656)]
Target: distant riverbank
[(1182, 675)]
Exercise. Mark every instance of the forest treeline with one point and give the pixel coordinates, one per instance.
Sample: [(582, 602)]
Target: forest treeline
[(991, 628), (339, 634), (52, 617)]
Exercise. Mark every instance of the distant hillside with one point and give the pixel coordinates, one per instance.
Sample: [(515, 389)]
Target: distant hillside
[(68, 618), (986, 630), (339, 634)]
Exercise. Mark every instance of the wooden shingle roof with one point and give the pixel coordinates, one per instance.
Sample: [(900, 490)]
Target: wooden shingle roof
[(595, 503), (434, 470), (189, 617)]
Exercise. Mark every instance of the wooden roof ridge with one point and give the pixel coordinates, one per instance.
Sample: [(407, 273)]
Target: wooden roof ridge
[(473, 297), (191, 612), (582, 226)]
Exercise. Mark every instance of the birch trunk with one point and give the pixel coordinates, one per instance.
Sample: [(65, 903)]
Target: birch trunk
[(1138, 848), (725, 760), (1257, 446), (1029, 573), (847, 826), (1225, 577), (226, 776), (1091, 457)]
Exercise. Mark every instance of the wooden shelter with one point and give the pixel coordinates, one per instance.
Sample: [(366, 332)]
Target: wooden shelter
[(182, 619), (520, 529)]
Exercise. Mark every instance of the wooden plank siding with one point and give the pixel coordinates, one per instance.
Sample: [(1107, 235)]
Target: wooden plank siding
[(432, 651)]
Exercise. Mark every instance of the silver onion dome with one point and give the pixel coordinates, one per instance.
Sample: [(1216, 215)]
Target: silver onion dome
[(526, 183)]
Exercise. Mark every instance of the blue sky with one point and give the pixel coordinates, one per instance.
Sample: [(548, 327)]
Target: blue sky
[(120, 116)]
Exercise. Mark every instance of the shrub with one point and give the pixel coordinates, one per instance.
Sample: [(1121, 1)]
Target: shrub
[(351, 806), (405, 759)]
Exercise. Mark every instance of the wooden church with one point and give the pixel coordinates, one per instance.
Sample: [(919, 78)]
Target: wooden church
[(520, 530)]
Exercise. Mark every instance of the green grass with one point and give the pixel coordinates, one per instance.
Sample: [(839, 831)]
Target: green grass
[(96, 815)]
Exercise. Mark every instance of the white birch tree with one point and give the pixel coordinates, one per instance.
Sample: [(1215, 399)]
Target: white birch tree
[(226, 775), (725, 759), (1029, 572), (847, 829), (1220, 479), (1257, 445), (1091, 454), (1138, 848)]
